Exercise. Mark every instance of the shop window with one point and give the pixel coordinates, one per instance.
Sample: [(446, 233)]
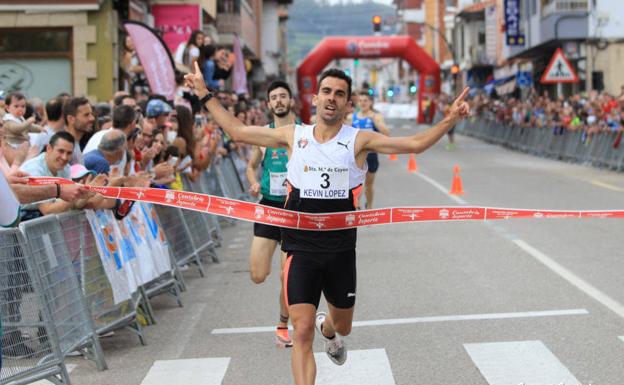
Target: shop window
[(20, 41), (37, 62)]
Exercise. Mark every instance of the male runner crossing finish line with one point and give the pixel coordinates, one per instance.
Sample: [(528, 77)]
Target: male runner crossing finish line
[(272, 186), (323, 261)]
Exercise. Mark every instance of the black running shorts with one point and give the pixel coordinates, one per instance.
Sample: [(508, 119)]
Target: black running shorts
[(307, 274), (268, 231), (372, 159)]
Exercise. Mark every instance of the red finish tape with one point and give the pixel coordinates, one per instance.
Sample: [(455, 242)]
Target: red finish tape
[(254, 212)]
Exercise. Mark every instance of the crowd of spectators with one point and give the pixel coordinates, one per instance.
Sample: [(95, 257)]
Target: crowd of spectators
[(591, 112), (134, 140)]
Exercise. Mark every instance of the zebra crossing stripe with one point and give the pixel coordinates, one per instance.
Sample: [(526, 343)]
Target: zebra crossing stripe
[(363, 367), (519, 362), (194, 371)]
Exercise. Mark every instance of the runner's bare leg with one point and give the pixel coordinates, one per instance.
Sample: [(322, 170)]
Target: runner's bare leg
[(302, 316)]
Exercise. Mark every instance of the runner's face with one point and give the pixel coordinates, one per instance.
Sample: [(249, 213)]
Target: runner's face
[(332, 100), (364, 103), (279, 102)]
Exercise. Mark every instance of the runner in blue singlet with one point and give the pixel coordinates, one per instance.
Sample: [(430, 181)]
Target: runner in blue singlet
[(368, 119)]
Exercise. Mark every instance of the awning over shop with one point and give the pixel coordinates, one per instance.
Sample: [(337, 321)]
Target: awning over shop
[(507, 77)]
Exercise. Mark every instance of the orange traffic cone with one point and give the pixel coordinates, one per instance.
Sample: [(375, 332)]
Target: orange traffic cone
[(411, 164), (392, 157), (456, 187)]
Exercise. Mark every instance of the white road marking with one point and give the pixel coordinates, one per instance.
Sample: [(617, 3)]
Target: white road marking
[(363, 367), (195, 371), (622, 338), (403, 321), (572, 278), (555, 267), (607, 186), (520, 362), (441, 188)]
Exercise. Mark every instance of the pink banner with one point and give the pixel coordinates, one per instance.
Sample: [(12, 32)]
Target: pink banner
[(239, 76), (176, 22), (155, 59)]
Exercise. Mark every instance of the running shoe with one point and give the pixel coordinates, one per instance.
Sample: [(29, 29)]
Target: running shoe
[(282, 337), (335, 348)]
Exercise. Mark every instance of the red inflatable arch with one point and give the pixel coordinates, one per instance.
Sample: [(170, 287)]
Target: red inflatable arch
[(332, 48)]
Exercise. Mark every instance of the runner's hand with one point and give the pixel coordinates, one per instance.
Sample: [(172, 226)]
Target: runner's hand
[(254, 189), (460, 108), (195, 81)]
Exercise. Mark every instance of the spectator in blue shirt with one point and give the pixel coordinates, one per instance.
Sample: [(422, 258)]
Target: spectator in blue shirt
[(53, 162), (109, 154)]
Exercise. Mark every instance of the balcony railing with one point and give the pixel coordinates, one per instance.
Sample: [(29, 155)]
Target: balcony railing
[(565, 6), (478, 56)]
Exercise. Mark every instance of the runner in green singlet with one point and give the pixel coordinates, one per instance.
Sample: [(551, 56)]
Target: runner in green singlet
[(272, 186)]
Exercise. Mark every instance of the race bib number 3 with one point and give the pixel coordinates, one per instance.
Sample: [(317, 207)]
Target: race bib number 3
[(277, 185), (325, 183)]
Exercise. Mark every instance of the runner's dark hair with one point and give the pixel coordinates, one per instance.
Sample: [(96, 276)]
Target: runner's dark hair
[(279, 84), (336, 73)]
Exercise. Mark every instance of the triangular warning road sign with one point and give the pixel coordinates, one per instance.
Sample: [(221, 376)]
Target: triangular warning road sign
[(559, 70)]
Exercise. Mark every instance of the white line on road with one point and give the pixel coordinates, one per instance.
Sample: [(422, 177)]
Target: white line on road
[(575, 280), (441, 188), (519, 362), (555, 267), (363, 367), (403, 321), (195, 371), (607, 186)]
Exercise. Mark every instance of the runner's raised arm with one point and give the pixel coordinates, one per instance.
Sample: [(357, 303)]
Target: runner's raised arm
[(375, 142), (237, 130)]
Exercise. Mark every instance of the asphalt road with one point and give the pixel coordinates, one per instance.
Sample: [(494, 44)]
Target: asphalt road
[(529, 301)]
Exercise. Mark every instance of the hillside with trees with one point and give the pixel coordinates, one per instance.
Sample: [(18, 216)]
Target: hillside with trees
[(309, 21)]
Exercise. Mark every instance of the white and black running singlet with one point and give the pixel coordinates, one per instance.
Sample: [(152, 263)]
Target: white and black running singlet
[(322, 177)]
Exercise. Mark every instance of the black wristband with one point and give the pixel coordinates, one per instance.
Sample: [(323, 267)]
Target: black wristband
[(206, 98), (58, 190)]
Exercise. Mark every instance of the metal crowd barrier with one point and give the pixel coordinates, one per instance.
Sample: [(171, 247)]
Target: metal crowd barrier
[(56, 297), (231, 182), (203, 185), (205, 242), (98, 292), (171, 282), (603, 149), (212, 184), (30, 345), (179, 237), (57, 276)]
